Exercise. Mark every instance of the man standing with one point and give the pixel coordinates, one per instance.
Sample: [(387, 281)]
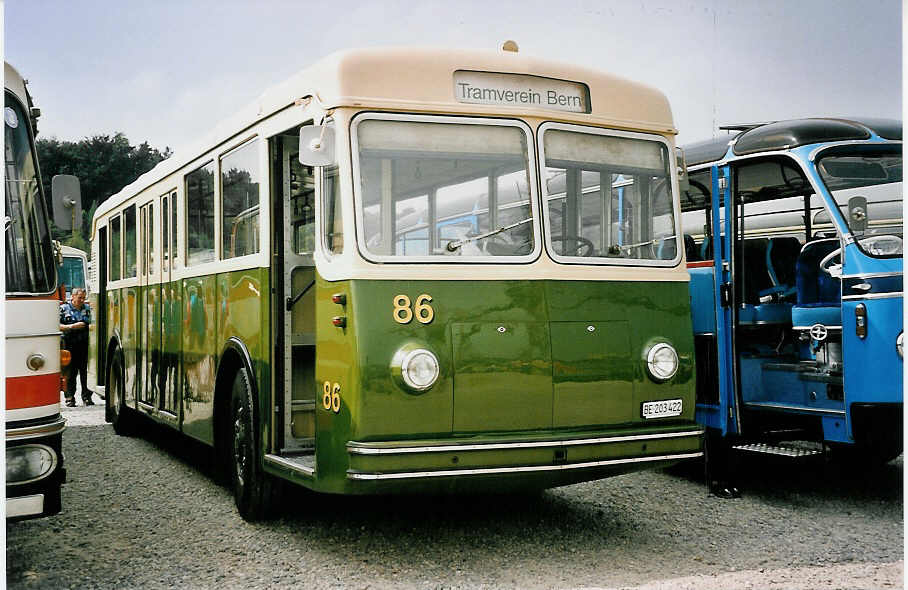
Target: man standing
[(75, 317)]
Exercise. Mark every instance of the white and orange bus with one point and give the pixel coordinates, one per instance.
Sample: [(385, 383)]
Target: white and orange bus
[(33, 423)]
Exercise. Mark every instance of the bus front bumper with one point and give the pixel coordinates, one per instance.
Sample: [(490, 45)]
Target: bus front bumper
[(537, 462)]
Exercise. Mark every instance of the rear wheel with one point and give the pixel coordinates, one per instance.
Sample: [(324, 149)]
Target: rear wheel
[(251, 487), (115, 401)]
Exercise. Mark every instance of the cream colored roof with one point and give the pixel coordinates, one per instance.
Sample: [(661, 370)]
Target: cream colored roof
[(14, 82), (421, 79)]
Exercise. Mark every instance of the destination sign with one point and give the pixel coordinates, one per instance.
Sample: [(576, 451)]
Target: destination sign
[(521, 90)]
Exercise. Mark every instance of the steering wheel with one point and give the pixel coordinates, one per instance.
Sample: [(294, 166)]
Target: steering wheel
[(827, 265), (583, 247)]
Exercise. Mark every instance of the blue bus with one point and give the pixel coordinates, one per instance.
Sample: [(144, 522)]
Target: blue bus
[(793, 236)]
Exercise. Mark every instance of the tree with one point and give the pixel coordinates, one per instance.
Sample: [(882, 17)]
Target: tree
[(104, 165)]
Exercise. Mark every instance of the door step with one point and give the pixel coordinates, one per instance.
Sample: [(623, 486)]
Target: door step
[(791, 451), (300, 462)]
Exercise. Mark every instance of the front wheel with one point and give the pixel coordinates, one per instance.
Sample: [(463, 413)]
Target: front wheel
[(115, 401), (864, 457), (251, 487)]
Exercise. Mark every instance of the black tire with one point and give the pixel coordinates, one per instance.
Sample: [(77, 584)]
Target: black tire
[(116, 410), (251, 487), (864, 458), (53, 502)]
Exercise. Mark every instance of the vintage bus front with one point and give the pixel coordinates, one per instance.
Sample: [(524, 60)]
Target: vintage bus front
[(499, 296), (862, 182), (34, 426)]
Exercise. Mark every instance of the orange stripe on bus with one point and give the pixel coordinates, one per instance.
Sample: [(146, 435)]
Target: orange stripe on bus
[(700, 264), (32, 391)]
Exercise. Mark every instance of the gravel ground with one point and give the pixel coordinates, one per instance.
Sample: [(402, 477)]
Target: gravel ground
[(145, 513)]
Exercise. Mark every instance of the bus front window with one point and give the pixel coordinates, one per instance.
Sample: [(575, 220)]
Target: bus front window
[(607, 196), (72, 273), (30, 266), (444, 189), (873, 174)]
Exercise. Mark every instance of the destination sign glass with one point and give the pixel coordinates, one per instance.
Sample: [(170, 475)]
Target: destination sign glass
[(521, 90)]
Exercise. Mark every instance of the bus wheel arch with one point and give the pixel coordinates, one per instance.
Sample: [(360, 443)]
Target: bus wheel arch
[(236, 416)]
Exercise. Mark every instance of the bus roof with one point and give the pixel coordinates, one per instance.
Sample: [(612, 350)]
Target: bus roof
[(421, 79), (70, 251), (13, 81), (781, 135)]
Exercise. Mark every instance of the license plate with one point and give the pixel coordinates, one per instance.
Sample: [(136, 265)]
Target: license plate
[(662, 409)]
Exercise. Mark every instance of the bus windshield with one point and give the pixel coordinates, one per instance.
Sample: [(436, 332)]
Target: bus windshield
[(608, 196), (866, 182), (445, 189), (29, 256), (72, 273)]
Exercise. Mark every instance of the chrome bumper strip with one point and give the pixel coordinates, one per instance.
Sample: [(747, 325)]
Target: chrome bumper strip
[(526, 469), (36, 431), (24, 506), (358, 448)]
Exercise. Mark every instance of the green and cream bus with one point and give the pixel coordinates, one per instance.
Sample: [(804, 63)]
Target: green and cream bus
[(409, 270)]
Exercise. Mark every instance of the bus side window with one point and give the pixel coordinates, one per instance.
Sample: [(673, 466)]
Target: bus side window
[(129, 242), (115, 252), (165, 235), (240, 182), (695, 206), (174, 242), (200, 215)]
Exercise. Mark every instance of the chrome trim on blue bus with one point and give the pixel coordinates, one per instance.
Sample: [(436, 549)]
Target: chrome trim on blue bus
[(771, 406), (889, 295), (872, 275)]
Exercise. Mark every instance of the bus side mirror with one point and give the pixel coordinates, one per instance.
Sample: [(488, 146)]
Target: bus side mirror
[(317, 145), (66, 195), (683, 180), (857, 214)]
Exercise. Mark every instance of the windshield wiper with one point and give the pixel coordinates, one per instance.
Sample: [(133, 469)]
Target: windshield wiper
[(455, 244)]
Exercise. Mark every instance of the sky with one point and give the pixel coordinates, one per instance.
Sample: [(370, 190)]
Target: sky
[(167, 71)]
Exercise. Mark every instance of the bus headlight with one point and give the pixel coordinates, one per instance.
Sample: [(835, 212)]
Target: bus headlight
[(662, 362), (898, 344), (416, 368), (28, 462)]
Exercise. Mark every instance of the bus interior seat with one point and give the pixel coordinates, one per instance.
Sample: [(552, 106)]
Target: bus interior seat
[(819, 294), (781, 259), (690, 249), (705, 249), (667, 249), (753, 276)]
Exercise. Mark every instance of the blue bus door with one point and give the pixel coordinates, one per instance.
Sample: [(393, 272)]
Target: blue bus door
[(724, 228)]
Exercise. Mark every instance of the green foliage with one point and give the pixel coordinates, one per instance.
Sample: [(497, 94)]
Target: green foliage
[(104, 165), (77, 241)]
